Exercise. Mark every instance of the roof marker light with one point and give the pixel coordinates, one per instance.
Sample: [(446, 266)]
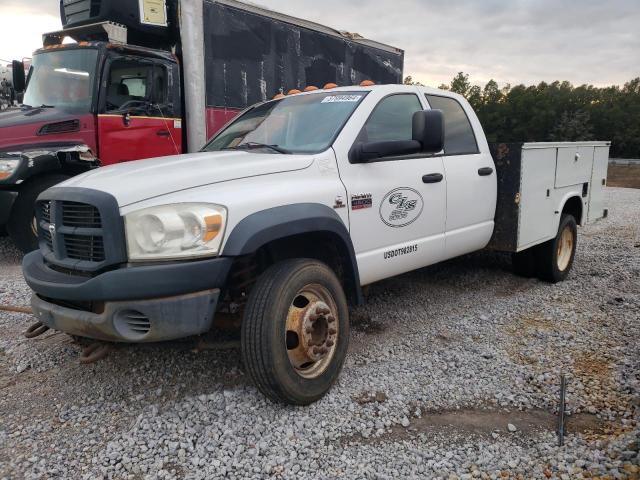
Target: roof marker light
[(329, 86), (367, 83)]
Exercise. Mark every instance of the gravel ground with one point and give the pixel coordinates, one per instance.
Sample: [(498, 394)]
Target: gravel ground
[(453, 372)]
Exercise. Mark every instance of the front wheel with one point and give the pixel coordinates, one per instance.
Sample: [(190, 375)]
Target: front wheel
[(555, 257), (295, 331)]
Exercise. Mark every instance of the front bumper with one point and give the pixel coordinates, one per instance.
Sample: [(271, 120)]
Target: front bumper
[(148, 303), (134, 321)]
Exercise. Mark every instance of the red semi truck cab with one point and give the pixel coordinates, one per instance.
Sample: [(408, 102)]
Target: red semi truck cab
[(121, 102), (152, 79)]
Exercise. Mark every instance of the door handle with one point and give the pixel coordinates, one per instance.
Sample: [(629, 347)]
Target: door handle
[(485, 172), (163, 133), (432, 178)]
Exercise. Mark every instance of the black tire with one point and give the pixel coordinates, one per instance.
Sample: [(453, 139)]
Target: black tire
[(20, 226), (265, 338), (524, 263), (550, 269)]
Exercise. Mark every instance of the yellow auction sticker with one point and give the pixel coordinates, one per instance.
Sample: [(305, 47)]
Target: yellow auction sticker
[(153, 12)]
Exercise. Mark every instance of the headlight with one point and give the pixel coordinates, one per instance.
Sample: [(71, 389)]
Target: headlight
[(8, 166), (175, 231)]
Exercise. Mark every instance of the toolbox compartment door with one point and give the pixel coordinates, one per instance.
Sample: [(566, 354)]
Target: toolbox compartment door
[(598, 183), (537, 210), (574, 165)]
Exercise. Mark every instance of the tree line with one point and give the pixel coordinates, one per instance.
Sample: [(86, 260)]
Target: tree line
[(556, 112)]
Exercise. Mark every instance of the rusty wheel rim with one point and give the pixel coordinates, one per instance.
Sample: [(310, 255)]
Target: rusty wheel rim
[(311, 336), (565, 248)]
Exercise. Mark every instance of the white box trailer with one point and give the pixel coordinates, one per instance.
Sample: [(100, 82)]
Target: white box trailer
[(534, 178)]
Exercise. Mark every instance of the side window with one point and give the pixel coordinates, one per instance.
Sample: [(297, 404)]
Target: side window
[(458, 134), (392, 119), (135, 83), (136, 86)]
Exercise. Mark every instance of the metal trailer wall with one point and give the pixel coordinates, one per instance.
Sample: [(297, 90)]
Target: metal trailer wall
[(251, 57), (236, 54)]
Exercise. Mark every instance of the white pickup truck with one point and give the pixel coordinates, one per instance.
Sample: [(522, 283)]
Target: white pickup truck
[(289, 211)]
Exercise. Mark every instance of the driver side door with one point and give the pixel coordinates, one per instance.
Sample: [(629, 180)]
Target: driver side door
[(139, 117)]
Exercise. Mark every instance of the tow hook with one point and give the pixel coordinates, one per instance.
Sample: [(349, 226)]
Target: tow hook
[(36, 330), (94, 352)]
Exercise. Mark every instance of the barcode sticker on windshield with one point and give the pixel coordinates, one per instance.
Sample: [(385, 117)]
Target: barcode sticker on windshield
[(341, 98)]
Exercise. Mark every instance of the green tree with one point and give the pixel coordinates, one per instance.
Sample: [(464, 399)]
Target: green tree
[(572, 127), (409, 81), (557, 111), (460, 84)]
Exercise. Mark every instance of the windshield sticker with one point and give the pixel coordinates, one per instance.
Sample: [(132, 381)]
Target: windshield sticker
[(401, 207), (342, 99)]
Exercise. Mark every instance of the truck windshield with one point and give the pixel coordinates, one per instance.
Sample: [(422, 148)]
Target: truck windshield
[(62, 78), (295, 124)]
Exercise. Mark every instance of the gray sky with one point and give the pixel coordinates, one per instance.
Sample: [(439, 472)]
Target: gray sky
[(512, 41)]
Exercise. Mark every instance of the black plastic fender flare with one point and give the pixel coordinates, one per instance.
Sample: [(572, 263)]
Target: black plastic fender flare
[(265, 226)]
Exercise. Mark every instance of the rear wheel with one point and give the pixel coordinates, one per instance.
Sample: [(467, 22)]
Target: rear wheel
[(22, 226), (295, 331), (555, 257)]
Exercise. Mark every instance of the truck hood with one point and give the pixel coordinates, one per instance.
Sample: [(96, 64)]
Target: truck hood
[(144, 179), (22, 129)]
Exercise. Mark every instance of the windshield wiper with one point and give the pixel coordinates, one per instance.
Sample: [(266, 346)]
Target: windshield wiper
[(256, 145), (29, 107)]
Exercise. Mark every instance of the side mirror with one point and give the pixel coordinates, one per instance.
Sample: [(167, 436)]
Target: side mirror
[(18, 76), (428, 129), (363, 152)]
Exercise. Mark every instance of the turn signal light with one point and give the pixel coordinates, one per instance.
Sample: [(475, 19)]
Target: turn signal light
[(214, 225)]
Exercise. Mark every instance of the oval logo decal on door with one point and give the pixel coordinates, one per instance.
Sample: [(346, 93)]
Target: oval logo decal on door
[(401, 207)]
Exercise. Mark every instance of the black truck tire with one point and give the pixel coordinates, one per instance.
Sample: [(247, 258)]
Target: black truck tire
[(555, 257), (22, 219), (295, 331)]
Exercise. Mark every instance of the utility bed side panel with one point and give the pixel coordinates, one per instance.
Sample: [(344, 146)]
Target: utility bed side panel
[(507, 158), (534, 182), (538, 220), (597, 206)]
